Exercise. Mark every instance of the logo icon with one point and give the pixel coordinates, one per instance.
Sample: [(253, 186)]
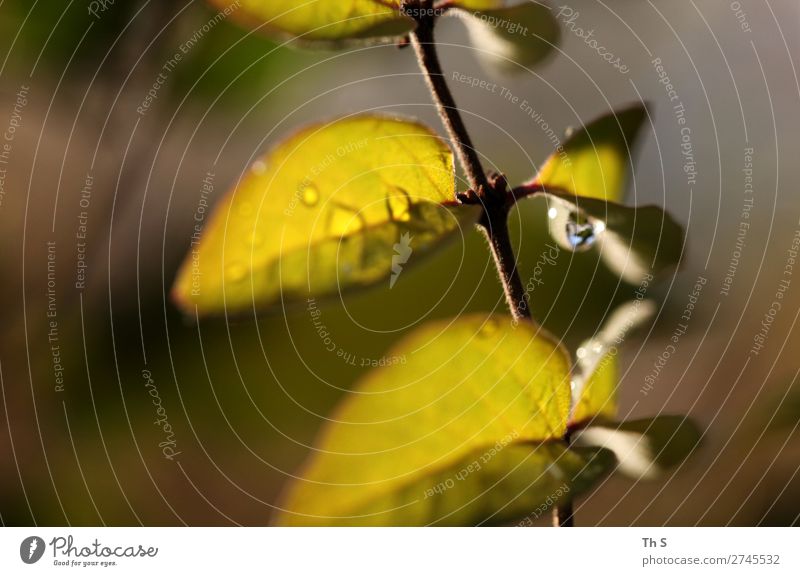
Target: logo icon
[(31, 550), (403, 252)]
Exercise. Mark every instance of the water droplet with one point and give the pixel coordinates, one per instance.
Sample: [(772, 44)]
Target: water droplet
[(235, 272), (581, 352), (552, 213), (310, 195), (581, 233)]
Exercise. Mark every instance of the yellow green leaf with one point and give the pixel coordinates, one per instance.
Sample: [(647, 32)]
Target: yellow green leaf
[(471, 387), (514, 38), (479, 4), (636, 243), (326, 21), (336, 206), (596, 374), (646, 448), (595, 160)]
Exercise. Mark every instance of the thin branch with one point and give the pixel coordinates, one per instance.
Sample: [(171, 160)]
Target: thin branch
[(422, 40), (490, 191), (495, 226)]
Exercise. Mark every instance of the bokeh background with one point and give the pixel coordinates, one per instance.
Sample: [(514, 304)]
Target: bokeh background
[(246, 398)]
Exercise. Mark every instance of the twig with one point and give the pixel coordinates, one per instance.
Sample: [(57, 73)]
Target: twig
[(492, 192)]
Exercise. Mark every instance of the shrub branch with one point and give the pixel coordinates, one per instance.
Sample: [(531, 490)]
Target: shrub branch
[(490, 191)]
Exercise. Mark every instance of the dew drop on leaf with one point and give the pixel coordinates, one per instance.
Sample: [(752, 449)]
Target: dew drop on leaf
[(235, 272), (310, 195), (582, 233)]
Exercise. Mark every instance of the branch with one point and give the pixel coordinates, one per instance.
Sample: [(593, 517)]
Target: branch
[(422, 40), (492, 192)]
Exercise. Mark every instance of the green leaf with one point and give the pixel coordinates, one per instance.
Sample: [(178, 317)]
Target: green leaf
[(471, 387), (635, 243), (336, 206), (645, 448), (479, 4), (325, 21), (594, 161), (596, 375), (514, 37)]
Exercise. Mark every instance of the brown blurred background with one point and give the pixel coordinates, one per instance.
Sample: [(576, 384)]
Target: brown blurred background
[(245, 398)]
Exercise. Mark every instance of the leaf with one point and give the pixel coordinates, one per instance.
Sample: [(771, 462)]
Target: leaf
[(645, 448), (594, 161), (470, 385), (513, 38), (635, 243), (336, 206), (325, 21), (479, 4), (596, 374)]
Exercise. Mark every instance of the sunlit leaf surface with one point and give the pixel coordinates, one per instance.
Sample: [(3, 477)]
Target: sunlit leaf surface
[(327, 21), (512, 38), (336, 206), (479, 4), (644, 448), (595, 160), (635, 243), (472, 389), (596, 375)]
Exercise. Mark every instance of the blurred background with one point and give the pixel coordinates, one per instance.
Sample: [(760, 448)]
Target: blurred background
[(99, 186)]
